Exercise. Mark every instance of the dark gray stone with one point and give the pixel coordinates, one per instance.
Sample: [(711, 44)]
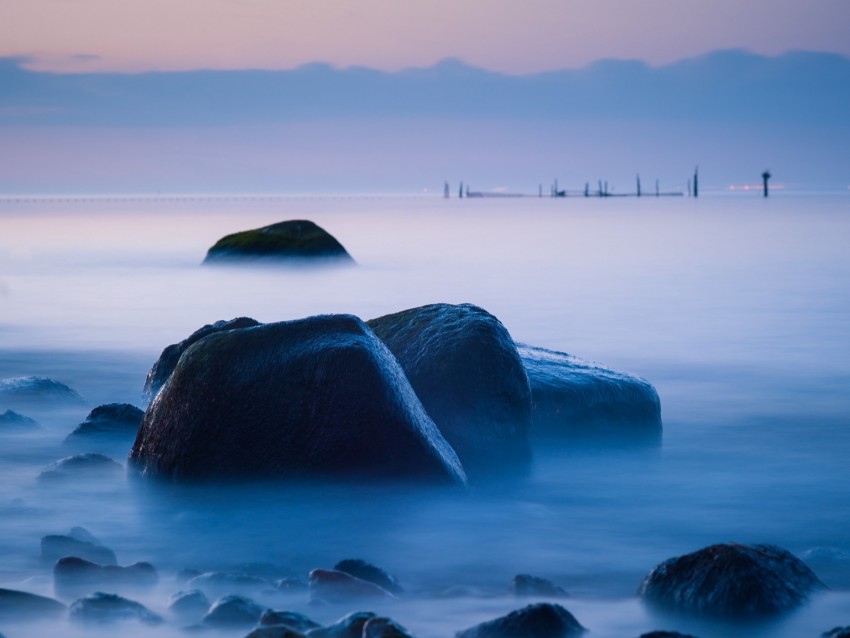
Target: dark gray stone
[(164, 366), (114, 420), (18, 606), (366, 571), (295, 241), (37, 392), (582, 402), (90, 465), (349, 626), (78, 543), (233, 611), (525, 585), (542, 620), (14, 422), (74, 576), (464, 367), (837, 632), (384, 628), (101, 608), (189, 605), (293, 620), (329, 585), (731, 580), (319, 397)]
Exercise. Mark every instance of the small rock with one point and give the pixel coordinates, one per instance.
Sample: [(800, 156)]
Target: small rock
[(37, 392), (731, 580), (109, 608), (525, 585), (366, 571), (112, 420), (82, 466), (78, 543), (192, 604), (333, 586), (384, 628), (72, 576), (294, 620), (230, 611), (14, 422), (290, 584), (20, 605), (838, 632), (542, 620), (349, 626), (185, 575)]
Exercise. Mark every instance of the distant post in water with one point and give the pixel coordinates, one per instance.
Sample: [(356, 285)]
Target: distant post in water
[(587, 189), (696, 182), (764, 178), (638, 185), (460, 191), (657, 189), (446, 190)]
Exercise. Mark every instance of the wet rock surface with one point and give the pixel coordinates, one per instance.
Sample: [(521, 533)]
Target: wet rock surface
[(90, 465), (541, 620), (294, 241), (349, 626), (837, 632), (164, 366), (293, 620), (192, 604), (524, 585), (37, 392), (320, 396), (233, 611), (731, 580), (465, 368), (333, 586), (384, 628), (102, 608), (110, 420), (582, 402)]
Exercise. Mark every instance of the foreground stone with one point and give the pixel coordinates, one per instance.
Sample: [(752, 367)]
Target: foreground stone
[(17, 606), (582, 402), (164, 366), (37, 392), (331, 586), (73, 576), (110, 420), (104, 608), (78, 542), (366, 571), (731, 580), (298, 241), (349, 626), (320, 396), (542, 620), (464, 367)]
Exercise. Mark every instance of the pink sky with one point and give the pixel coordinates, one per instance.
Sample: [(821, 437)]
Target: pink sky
[(514, 37)]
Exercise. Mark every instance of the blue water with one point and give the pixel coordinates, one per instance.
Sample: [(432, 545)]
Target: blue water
[(733, 306)]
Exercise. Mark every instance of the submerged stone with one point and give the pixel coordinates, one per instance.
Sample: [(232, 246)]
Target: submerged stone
[(79, 542), (366, 571), (217, 584), (332, 586), (164, 366), (349, 626), (37, 392), (290, 241), (319, 397), (384, 628), (542, 620), (233, 611), (192, 604), (112, 419), (82, 466), (104, 608), (525, 585), (465, 368), (583, 402), (18, 606), (274, 631), (731, 580), (293, 620), (73, 576), (13, 422)]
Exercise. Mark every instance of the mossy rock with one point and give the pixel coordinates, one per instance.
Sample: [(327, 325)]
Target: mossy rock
[(295, 241)]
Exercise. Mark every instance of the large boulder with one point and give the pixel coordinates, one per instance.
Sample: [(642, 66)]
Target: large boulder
[(731, 580), (294, 241), (464, 367), (541, 620), (164, 366), (582, 402), (320, 396)]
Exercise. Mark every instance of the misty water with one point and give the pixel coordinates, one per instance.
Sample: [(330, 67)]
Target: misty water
[(735, 307)]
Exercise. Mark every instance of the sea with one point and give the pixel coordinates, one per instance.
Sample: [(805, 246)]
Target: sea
[(734, 306)]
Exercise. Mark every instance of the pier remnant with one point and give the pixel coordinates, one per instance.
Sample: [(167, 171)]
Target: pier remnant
[(764, 178)]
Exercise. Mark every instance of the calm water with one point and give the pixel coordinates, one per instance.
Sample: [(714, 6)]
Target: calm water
[(735, 308)]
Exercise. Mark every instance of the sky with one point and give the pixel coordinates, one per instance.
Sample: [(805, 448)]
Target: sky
[(511, 37)]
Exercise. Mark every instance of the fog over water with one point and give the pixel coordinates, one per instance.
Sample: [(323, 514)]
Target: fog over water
[(734, 307)]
